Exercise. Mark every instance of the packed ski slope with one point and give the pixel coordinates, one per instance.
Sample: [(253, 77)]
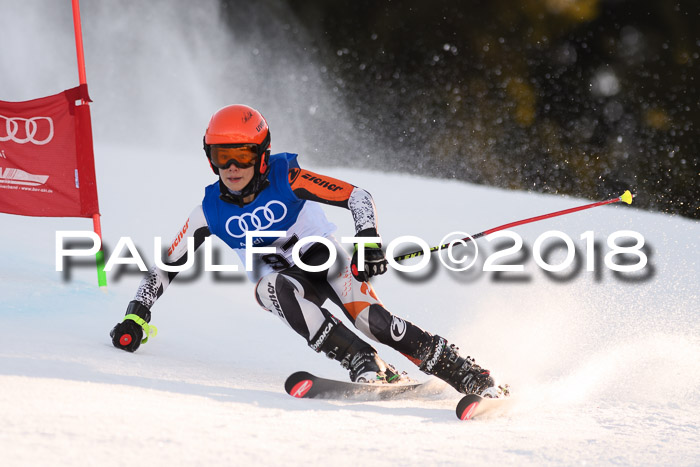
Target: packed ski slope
[(603, 371)]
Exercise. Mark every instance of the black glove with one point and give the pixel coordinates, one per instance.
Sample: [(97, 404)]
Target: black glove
[(128, 334), (375, 261)]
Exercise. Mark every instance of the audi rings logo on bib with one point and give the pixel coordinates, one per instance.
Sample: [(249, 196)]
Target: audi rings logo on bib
[(35, 130), (261, 218)]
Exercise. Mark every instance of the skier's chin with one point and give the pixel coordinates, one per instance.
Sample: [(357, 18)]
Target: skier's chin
[(235, 183)]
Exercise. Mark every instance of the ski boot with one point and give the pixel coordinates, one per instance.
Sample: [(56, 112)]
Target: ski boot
[(366, 367), (361, 359), (463, 374)]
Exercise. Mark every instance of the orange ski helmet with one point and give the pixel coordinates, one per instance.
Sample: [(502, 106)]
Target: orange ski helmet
[(239, 135)]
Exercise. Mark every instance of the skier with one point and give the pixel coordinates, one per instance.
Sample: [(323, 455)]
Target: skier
[(257, 191)]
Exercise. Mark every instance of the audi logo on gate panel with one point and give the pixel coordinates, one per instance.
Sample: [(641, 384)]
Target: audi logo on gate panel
[(36, 130), (252, 221)]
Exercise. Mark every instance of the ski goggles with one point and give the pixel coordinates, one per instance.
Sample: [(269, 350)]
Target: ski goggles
[(242, 156)]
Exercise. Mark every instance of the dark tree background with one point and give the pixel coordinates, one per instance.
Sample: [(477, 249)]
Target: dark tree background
[(584, 97)]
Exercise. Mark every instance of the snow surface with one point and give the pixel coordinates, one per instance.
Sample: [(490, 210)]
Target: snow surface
[(603, 372)]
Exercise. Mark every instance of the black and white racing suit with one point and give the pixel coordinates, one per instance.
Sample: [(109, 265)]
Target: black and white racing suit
[(295, 295)]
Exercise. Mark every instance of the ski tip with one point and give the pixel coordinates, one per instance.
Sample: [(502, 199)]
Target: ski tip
[(299, 384), (300, 389), (467, 406), (626, 197), (468, 411)]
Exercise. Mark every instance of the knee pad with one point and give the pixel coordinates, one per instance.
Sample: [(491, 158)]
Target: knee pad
[(383, 324)]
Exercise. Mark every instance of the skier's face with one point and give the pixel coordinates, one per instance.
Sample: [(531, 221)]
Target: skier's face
[(236, 178)]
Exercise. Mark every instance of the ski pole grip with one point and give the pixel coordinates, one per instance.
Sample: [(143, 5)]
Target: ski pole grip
[(141, 315), (148, 330)]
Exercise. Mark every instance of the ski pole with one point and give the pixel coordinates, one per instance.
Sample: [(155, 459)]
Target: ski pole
[(626, 197)]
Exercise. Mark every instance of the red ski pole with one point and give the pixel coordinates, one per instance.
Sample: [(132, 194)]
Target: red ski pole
[(625, 198)]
